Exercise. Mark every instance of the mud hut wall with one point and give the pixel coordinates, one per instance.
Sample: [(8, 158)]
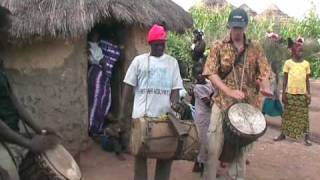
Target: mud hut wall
[(49, 79), (135, 44)]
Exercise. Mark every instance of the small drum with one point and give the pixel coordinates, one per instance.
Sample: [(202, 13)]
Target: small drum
[(55, 164), (243, 124), (155, 138)]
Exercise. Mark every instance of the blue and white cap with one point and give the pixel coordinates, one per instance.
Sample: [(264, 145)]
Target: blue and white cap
[(238, 18)]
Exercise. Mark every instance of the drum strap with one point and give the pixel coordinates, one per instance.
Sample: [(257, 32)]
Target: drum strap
[(236, 79), (238, 60)]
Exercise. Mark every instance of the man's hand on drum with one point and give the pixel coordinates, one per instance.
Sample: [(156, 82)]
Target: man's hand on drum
[(41, 143), (236, 94), (50, 131)]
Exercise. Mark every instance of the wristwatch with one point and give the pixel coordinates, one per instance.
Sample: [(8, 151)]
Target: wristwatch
[(44, 131)]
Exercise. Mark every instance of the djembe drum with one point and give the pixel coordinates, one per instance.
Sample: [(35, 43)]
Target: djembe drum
[(243, 124), (54, 164), (155, 138)]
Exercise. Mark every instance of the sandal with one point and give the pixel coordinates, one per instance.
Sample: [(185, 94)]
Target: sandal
[(280, 137), (307, 141)]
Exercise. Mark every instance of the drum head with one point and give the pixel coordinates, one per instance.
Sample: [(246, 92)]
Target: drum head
[(247, 119), (63, 163)]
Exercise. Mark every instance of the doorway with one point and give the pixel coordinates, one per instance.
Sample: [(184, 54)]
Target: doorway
[(104, 89)]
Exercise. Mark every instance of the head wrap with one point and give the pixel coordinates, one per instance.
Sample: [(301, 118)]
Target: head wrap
[(299, 41), (273, 36), (293, 44), (157, 33)]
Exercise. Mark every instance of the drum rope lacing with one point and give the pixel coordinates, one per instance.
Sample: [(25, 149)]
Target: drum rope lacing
[(241, 83), (242, 74), (240, 88)]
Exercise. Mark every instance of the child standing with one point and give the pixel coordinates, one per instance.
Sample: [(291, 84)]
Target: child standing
[(296, 95), (203, 92)]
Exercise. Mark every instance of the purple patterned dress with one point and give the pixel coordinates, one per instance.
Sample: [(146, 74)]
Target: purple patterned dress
[(100, 88)]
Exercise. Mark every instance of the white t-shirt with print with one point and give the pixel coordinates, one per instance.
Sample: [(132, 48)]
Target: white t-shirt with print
[(163, 76)]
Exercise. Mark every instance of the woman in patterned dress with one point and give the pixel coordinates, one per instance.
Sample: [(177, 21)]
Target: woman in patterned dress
[(296, 95)]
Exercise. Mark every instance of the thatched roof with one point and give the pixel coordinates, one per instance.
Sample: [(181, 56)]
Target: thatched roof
[(274, 14), (250, 12), (176, 18), (274, 11), (216, 3), (74, 18)]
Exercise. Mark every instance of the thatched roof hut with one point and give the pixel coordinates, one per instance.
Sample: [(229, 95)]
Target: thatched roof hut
[(274, 13), (216, 3), (49, 72), (273, 10), (73, 18), (250, 12)]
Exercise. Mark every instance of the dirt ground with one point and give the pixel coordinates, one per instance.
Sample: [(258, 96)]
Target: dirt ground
[(269, 160), (286, 160)]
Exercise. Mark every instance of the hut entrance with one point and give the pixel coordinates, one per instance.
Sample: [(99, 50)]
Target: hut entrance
[(106, 59)]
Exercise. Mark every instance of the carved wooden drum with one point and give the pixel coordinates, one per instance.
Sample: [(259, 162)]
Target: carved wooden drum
[(54, 164), (243, 124), (155, 138)]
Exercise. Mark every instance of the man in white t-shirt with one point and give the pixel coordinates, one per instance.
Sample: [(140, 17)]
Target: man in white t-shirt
[(155, 80)]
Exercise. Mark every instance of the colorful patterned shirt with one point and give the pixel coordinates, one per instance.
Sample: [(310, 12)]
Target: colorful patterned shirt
[(297, 73), (221, 60)]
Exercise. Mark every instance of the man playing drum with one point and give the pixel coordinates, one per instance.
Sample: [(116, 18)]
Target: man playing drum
[(13, 145), (231, 60), (155, 80)]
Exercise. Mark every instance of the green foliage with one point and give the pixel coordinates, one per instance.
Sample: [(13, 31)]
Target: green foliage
[(178, 46), (315, 67), (308, 27), (211, 21), (214, 24)]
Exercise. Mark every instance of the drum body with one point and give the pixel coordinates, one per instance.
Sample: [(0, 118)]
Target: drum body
[(155, 138), (55, 164), (243, 124)]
